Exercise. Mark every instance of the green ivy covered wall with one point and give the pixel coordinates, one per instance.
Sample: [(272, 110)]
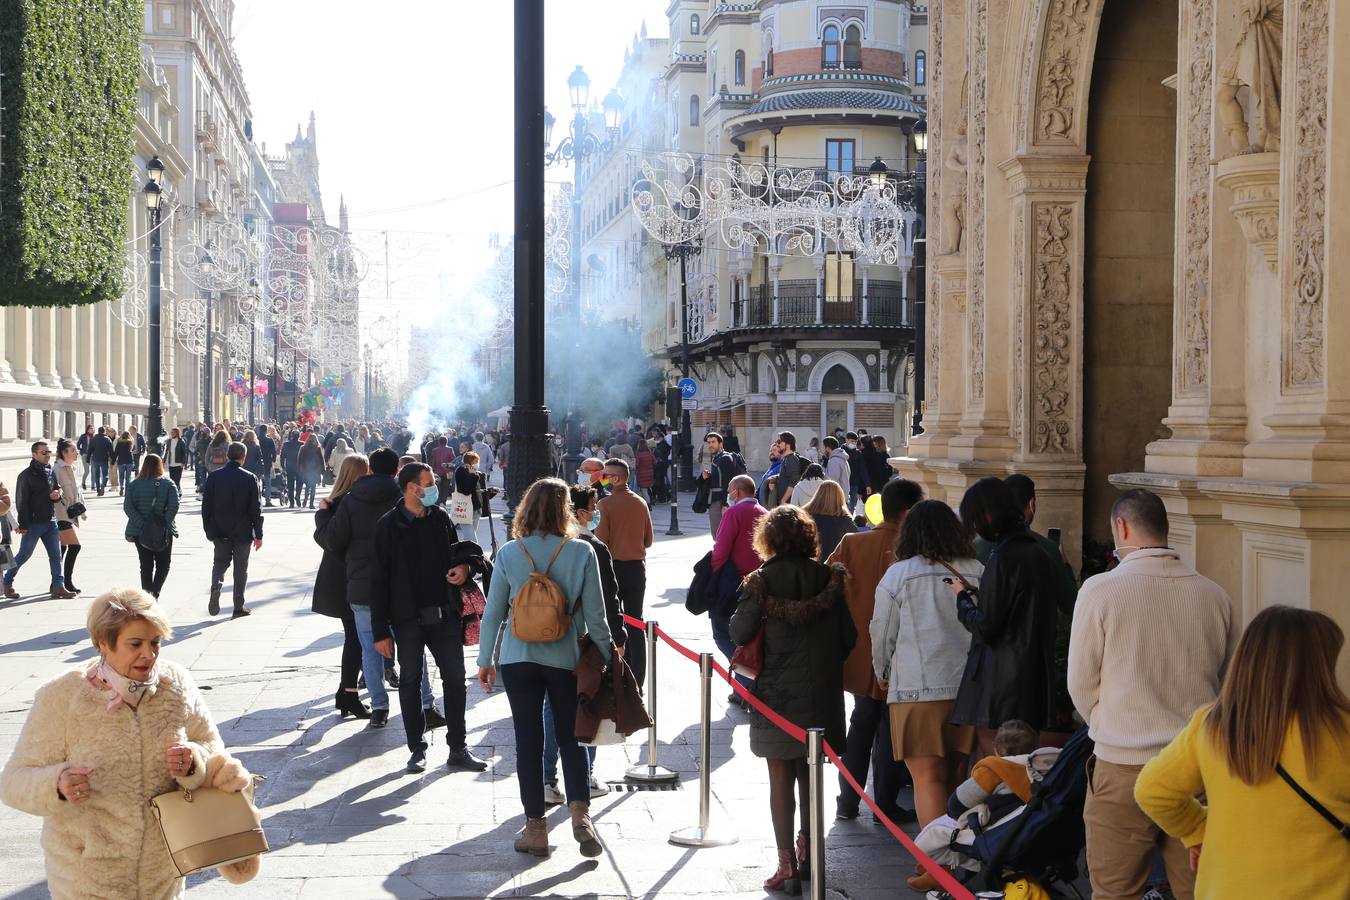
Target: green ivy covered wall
[(69, 96)]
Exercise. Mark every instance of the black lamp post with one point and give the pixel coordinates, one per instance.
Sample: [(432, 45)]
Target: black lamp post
[(580, 144), (208, 267), (920, 133), (255, 297), (154, 170)]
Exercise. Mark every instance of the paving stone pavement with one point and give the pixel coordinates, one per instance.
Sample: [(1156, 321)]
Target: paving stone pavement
[(342, 816)]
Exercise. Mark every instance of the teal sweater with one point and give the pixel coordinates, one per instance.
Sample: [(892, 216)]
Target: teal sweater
[(576, 572)]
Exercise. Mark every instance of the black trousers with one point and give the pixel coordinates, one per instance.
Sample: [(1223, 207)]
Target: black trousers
[(869, 741), (232, 553), (176, 476), (445, 640), (351, 652), (293, 488), (631, 575), (526, 686), (154, 567)]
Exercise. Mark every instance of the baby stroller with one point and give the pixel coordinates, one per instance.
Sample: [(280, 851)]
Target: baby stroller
[(1042, 840)]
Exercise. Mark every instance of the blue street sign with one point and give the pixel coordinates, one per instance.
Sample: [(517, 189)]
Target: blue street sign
[(688, 388)]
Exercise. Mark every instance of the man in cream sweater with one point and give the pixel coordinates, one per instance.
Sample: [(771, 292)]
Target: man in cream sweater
[(1150, 643)]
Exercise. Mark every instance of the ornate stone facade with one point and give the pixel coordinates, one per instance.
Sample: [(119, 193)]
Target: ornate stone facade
[(1250, 447)]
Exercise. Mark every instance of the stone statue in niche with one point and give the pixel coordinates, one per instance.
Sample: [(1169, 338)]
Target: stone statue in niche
[(1255, 62), (954, 209)]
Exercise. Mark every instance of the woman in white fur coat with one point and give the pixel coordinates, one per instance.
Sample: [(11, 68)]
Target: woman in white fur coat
[(100, 742)]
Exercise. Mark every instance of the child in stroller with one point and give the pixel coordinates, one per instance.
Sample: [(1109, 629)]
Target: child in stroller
[(999, 787)]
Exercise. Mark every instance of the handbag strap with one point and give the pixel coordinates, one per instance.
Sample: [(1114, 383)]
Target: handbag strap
[(1309, 799), (965, 585)]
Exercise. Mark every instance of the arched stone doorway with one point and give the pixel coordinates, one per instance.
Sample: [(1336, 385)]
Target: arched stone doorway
[(1128, 260)]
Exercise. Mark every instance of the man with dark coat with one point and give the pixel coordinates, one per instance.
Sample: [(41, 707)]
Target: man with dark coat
[(100, 455), (35, 496), (82, 445), (866, 556), (232, 518), (175, 457), (290, 466), (267, 449), (859, 486), (410, 573)]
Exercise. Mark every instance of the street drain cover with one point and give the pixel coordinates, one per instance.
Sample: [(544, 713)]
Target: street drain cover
[(634, 786)]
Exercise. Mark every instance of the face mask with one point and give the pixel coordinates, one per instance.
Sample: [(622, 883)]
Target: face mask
[(852, 446), (583, 479), (430, 495), (594, 523)]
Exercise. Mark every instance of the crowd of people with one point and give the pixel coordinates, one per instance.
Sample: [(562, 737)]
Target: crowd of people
[(924, 640)]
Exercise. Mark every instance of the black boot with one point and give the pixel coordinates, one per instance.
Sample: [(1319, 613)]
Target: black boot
[(348, 703)]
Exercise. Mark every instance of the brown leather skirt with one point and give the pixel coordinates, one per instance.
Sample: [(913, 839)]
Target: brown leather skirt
[(925, 729)]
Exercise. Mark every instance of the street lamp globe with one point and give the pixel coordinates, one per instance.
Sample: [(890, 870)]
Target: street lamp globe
[(155, 170), (152, 192), (877, 173), (921, 137), (548, 128), (579, 87), (208, 264), (613, 110)]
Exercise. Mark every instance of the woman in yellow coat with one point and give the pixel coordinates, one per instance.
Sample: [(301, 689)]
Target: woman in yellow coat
[(1280, 710)]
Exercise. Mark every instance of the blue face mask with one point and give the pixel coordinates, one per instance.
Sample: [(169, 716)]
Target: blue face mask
[(594, 523), (430, 495)]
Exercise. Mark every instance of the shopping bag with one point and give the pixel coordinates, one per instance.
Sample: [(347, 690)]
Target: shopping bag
[(461, 509)]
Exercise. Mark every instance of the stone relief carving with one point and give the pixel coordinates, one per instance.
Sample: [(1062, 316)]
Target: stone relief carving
[(1057, 91), (1019, 319), (1303, 363), (933, 312), (1053, 323), (954, 208), (1195, 307), (979, 62), (1254, 62)]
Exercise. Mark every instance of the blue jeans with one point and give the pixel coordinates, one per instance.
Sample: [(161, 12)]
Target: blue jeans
[(551, 748), (100, 475), (51, 540), (721, 630), (124, 474), (372, 664)]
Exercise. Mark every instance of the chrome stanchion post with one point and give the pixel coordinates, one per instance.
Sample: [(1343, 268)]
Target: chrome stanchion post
[(702, 835), (651, 772), (815, 762)]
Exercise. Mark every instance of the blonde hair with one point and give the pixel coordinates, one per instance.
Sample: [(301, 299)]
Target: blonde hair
[(546, 508), (352, 468), (112, 611), (829, 500)]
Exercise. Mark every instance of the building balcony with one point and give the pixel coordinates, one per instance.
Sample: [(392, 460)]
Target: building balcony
[(799, 304), (208, 198), (208, 132)]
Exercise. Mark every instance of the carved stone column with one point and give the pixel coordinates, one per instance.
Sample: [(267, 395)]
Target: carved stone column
[(45, 346), (6, 375), (103, 347), (66, 357)]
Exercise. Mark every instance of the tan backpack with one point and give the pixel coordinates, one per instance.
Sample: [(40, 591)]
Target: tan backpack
[(539, 612)]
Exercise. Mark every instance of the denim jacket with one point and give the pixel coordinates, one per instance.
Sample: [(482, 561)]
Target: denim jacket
[(919, 646)]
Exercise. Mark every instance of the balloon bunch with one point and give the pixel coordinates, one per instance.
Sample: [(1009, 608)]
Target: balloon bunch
[(327, 392), (306, 417), (261, 388), (239, 386)]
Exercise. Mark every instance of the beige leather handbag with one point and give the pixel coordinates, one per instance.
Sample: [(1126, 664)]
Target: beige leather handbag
[(209, 827)]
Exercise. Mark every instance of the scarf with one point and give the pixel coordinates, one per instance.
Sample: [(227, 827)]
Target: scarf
[(119, 688)]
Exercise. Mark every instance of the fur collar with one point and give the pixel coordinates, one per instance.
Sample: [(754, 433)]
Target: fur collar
[(797, 611)]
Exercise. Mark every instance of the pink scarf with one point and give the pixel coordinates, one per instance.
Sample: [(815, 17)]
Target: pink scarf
[(119, 688)]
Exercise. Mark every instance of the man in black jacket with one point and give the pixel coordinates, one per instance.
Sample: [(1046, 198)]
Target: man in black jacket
[(35, 496), (409, 591), (100, 455), (859, 486), (233, 521), (175, 457), (290, 465), (267, 449), (82, 444)]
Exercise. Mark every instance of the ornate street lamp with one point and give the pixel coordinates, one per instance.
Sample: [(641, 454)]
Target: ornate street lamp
[(877, 172), (208, 269), (920, 133), (154, 194)]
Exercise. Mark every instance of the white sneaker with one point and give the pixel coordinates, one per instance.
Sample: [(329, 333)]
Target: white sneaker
[(598, 788), (553, 796)]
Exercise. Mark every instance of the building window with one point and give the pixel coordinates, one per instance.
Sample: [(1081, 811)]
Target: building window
[(768, 64), (694, 24), (853, 47), (838, 158), (693, 111), (920, 67), (740, 67), (21, 424), (829, 48), (838, 286)]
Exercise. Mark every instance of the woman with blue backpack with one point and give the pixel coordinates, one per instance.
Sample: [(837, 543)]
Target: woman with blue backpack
[(151, 505)]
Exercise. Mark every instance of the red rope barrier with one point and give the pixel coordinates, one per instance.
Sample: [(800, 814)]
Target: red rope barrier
[(948, 882)]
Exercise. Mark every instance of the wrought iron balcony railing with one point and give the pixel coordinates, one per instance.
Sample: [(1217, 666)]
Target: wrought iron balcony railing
[(798, 303)]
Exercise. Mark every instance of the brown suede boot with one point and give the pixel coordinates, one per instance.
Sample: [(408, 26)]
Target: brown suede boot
[(925, 882), (533, 838), (583, 830)]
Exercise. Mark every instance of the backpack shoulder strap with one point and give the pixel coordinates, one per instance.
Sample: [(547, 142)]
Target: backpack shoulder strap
[(554, 558), (533, 566)]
